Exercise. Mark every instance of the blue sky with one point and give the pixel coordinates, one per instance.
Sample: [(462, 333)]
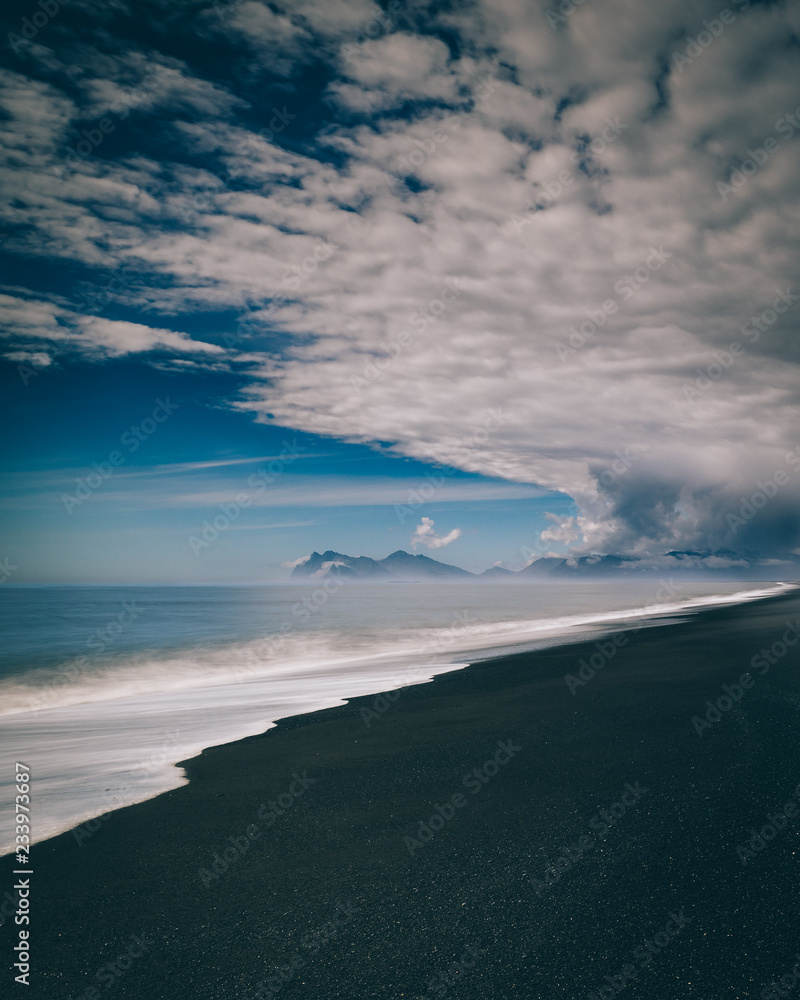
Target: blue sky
[(554, 255), (89, 499)]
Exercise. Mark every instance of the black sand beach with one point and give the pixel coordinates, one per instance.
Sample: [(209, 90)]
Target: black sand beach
[(321, 895)]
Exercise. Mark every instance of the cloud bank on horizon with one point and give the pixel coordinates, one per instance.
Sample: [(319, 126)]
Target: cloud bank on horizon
[(550, 244)]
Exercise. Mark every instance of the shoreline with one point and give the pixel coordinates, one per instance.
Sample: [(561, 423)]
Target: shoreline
[(156, 768), (307, 822)]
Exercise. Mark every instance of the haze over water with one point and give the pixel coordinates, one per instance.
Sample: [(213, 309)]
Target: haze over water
[(105, 689)]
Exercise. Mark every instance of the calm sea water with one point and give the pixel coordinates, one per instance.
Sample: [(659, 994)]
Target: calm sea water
[(103, 689)]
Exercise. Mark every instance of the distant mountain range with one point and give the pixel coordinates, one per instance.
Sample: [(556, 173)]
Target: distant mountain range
[(399, 565), (402, 567)]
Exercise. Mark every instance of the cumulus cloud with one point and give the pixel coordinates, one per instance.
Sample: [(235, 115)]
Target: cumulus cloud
[(396, 68), (567, 530), (425, 535), (287, 36), (582, 246), (294, 563)]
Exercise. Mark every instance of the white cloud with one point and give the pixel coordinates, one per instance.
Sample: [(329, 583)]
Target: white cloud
[(152, 488), (567, 530), (293, 563), (36, 358), (276, 36), (398, 67), (286, 38), (118, 337), (92, 335), (327, 566), (425, 535), (373, 343)]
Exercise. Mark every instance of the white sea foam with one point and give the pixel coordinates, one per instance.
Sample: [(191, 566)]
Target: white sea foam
[(112, 733)]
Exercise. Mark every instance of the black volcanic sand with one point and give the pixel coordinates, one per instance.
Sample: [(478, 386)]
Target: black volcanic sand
[(403, 920)]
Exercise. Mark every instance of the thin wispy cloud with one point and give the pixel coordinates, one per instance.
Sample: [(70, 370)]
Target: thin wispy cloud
[(152, 493)]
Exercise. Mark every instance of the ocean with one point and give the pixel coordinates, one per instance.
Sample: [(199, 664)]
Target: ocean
[(103, 690)]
